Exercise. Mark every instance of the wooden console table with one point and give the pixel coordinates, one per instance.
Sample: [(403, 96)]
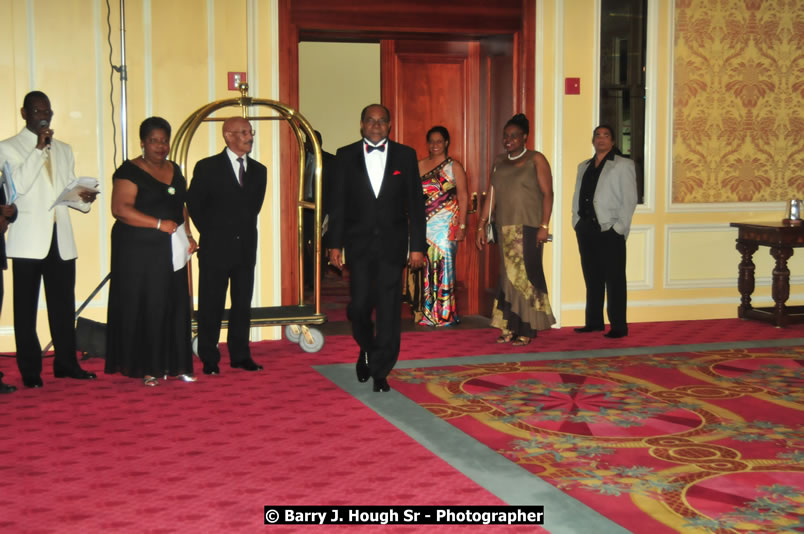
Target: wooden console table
[(781, 238)]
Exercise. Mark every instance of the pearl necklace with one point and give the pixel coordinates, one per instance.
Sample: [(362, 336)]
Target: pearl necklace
[(519, 156)]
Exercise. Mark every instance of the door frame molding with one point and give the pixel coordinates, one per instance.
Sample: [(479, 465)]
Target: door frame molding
[(291, 29)]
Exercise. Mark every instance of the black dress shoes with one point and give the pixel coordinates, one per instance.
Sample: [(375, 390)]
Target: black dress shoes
[(381, 384), (362, 367), (77, 373), (586, 329), (7, 388), (35, 382), (247, 365), (211, 369), (614, 334)]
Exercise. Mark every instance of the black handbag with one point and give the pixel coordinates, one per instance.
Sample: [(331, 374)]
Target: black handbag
[(90, 338)]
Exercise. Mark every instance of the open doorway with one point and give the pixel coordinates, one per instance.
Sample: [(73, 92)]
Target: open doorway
[(490, 47)]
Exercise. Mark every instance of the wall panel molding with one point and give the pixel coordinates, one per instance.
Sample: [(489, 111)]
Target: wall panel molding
[(649, 255), (558, 155), (31, 24), (718, 207), (681, 303), (686, 283), (762, 279), (276, 211), (652, 89), (211, 73), (147, 60)]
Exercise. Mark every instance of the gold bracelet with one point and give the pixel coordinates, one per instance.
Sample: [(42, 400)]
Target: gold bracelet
[(544, 226)]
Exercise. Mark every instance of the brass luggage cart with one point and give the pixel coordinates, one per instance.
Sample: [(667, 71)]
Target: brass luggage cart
[(297, 319)]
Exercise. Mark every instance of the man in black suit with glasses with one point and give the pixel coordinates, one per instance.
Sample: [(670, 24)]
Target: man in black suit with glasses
[(224, 199)]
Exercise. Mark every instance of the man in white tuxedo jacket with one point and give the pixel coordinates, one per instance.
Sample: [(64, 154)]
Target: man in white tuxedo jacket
[(41, 243)]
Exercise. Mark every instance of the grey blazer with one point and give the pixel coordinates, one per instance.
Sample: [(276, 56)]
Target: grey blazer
[(615, 196)]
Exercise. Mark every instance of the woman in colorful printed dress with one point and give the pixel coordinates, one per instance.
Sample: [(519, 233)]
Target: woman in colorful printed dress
[(446, 198), (523, 202)]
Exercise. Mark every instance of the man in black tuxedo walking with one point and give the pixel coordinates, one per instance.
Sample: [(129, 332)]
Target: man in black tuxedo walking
[(376, 214), (224, 199)]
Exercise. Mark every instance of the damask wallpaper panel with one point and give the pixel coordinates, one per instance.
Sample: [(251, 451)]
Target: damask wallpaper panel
[(738, 101)]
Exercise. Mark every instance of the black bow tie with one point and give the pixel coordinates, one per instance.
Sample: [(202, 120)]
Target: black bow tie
[(369, 148)]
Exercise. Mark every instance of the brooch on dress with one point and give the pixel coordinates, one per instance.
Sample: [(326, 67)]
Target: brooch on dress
[(171, 190)]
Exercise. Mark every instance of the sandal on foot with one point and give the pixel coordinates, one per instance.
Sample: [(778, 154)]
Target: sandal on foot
[(150, 381), (520, 341), (505, 338)]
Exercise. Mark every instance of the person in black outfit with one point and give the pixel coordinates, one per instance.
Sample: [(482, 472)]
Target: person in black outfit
[(377, 216), (148, 332), (7, 215), (224, 199), (327, 169), (604, 202)]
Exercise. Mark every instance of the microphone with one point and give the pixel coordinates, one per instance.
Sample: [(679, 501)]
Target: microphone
[(44, 124)]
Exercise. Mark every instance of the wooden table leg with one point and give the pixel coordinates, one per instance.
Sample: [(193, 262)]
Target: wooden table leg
[(745, 280), (780, 289)]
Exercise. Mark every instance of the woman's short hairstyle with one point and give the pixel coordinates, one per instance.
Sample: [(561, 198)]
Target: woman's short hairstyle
[(444, 133), (520, 121), (153, 123)]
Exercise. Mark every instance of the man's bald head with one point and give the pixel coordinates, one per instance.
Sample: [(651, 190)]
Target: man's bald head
[(238, 135)]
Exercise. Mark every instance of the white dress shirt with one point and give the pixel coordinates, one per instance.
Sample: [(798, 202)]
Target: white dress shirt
[(375, 164), (236, 164)]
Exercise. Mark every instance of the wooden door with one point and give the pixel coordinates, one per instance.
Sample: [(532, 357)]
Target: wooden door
[(465, 86), (427, 83)]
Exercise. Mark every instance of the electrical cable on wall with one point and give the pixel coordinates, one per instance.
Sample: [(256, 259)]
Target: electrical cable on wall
[(111, 81), (123, 79)]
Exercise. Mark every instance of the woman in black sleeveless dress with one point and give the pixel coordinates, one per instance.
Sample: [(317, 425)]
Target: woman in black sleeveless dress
[(148, 331)]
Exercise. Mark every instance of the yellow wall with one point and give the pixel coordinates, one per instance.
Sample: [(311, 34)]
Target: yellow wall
[(178, 54), (681, 258), (329, 96)]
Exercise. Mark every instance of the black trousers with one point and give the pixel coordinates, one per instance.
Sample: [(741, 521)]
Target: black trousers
[(59, 279), (375, 286), (1, 298), (213, 283), (603, 264)]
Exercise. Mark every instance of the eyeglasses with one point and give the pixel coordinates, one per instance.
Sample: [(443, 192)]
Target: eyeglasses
[(242, 132), (377, 122)]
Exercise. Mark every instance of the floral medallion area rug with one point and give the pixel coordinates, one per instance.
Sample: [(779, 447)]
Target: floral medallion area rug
[(708, 442)]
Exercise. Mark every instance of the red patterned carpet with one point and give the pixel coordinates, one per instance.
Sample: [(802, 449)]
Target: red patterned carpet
[(113, 456), (657, 443)]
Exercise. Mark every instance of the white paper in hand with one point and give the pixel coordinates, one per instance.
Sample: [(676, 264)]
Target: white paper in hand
[(71, 196), (181, 247)]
